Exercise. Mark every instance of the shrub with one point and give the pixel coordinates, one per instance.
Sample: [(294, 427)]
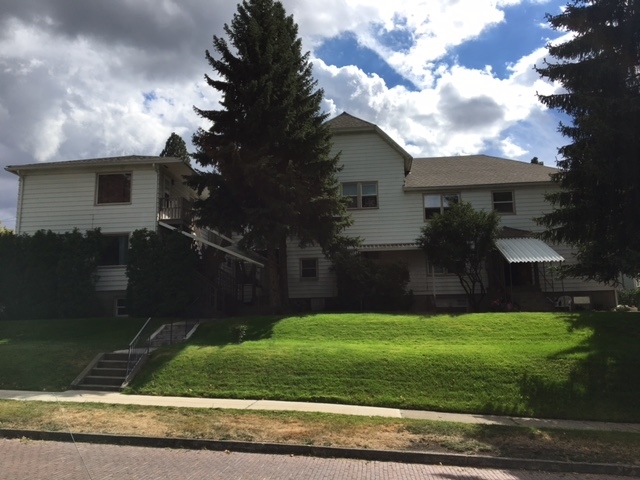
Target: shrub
[(629, 297), (48, 275), (367, 285)]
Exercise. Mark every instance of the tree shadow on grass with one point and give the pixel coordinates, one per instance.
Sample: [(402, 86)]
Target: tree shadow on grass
[(604, 384), (218, 333), (233, 331)]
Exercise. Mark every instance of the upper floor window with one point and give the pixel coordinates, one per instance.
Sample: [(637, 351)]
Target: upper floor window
[(113, 188), (503, 202), (361, 194), (308, 268), (438, 203)]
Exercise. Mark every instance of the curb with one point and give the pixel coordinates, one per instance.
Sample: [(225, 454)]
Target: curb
[(425, 458)]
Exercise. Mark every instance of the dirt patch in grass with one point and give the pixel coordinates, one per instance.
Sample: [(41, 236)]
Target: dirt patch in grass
[(324, 430)]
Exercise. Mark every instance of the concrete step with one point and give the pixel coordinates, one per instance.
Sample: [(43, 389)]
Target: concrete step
[(101, 380), (116, 356), (98, 388), (109, 372), (112, 364)]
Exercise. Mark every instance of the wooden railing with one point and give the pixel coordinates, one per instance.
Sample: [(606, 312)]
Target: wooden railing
[(174, 208)]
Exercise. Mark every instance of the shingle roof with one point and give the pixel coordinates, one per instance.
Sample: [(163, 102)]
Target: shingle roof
[(473, 170), (109, 161), (346, 121)]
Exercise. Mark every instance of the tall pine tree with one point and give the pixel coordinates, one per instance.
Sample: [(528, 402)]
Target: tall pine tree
[(175, 147), (273, 177), (597, 209)]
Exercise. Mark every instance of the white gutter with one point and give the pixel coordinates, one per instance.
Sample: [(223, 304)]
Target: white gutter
[(211, 244), (224, 237)]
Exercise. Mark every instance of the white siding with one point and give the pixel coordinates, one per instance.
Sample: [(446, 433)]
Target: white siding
[(322, 287), (399, 218), (367, 158), (62, 200), (112, 278)]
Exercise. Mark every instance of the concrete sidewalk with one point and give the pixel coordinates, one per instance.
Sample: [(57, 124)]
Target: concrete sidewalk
[(81, 396)]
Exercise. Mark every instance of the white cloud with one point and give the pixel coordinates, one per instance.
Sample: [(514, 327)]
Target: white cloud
[(73, 78)]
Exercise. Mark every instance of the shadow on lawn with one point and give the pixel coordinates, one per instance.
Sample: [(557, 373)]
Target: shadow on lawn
[(604, 384), (235, 330)]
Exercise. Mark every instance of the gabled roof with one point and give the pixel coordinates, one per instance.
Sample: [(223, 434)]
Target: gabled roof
[(474, 170), (130, 160), (346, 123)]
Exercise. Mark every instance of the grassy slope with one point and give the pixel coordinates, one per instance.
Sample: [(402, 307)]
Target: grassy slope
[(549, 365), (49, 354)]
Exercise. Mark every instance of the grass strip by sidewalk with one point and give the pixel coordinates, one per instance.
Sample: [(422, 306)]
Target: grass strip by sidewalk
[(324, 430), (578, 366)]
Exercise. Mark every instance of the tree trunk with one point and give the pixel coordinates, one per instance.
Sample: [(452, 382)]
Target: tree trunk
[(283, 273), (275, 298)]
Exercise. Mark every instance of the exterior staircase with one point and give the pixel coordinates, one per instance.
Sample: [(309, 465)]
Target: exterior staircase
[(109, 371)]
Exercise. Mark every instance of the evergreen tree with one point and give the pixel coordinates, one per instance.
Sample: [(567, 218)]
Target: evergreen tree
[(175, 147), (273, 178), (597, 209)]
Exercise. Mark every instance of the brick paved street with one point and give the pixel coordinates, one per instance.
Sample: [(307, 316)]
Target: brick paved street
[(38, 460)]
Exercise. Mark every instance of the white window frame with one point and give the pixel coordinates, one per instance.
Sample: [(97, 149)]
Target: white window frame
[(504, 202), (120, 304), (303, 269), (442, 207), (106, 174), (360, 195), (433, 270)]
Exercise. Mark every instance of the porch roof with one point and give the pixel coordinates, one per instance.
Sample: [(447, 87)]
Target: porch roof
[(232, 250), (527, 250), (389, 246)]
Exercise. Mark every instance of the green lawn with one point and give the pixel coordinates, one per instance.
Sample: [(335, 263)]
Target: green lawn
[(584, 366), (49, 354)]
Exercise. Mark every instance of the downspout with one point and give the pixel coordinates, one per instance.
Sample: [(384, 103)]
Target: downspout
[(21, 180), (157, 201), (433, 279)]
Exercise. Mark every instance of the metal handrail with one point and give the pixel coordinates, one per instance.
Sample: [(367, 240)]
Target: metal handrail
[(135, 353)]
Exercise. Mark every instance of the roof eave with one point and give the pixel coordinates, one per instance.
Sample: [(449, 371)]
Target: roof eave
[(477, 186), (126, 161)]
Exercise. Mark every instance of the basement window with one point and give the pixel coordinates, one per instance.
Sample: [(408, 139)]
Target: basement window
[(121, 307)]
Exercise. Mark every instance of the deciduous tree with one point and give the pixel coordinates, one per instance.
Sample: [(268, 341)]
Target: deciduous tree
[(272, 177), (459, 240), (597, 209)]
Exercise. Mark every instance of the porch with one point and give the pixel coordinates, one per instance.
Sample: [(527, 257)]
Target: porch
[(175, 211)]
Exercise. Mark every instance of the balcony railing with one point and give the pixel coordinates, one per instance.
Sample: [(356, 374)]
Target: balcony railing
[(174, 209)]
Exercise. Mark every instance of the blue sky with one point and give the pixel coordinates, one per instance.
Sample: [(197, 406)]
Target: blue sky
[(441, 77), (344, 50), (522, 31)]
